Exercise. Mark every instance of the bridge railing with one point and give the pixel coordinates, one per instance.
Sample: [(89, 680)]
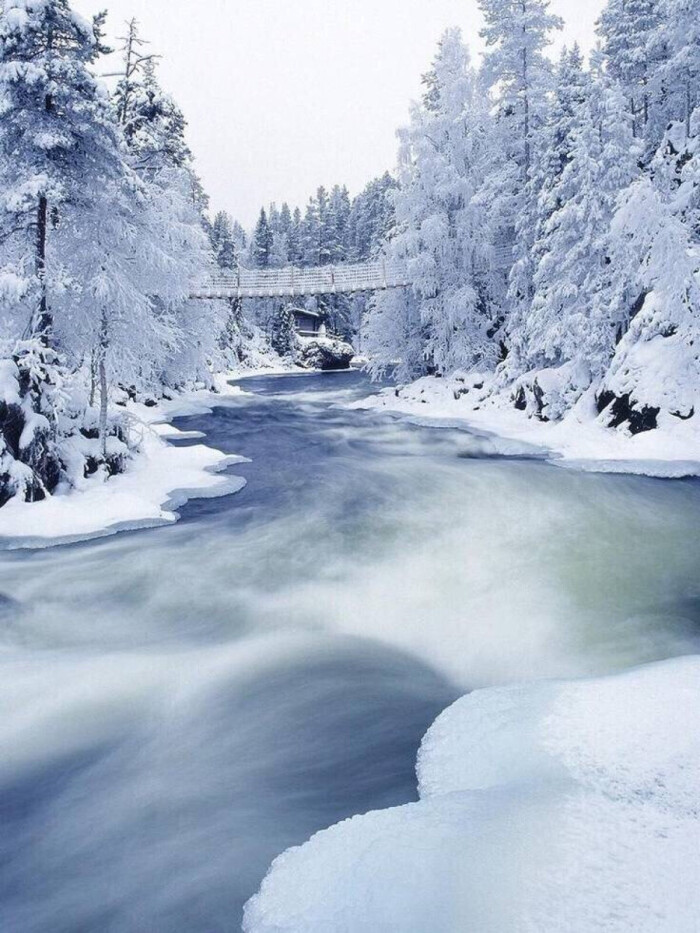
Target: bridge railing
[(292, 281)]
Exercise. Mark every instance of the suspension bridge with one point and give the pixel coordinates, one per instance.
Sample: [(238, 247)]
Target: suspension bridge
[(291, 282)]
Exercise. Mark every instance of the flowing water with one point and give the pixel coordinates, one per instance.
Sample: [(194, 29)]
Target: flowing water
[(178, 706)]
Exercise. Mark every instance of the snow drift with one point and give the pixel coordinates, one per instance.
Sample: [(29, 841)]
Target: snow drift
[(558, 806)]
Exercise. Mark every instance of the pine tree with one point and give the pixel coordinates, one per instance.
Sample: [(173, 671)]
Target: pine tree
[(571, 90), (311, 235), (61, 168), (572, 316), (154, 126), (439, 225), (516, 69), (371, 219), (323, 247), (517, 33), (678, 27), (294, 239), (656, 370), (629, 30), (154, 130), (285, 220), (240, 241), (223, 242), (283, 337), (273, 218), (336, 225), (56, 126), (262, 242)]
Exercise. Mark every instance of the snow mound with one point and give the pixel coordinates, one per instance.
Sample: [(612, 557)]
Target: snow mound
[(558, 806), (159, 481)]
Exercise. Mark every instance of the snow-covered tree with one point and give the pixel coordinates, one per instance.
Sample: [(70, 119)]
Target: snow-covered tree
[(656, 370), (439, 226), (61, 163), (336, 224), (262, 242), (223, 242), (153, 124), (517, 33), (57, 130), (394, 336), (564, 118), (631, 34), (678, 32), (577, 309), (519, 74), (310, 234), (283, 332), (154, 130), (294, 239), (371, 219)]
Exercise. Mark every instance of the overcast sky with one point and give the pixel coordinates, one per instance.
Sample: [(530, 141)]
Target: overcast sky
[(284, 95)]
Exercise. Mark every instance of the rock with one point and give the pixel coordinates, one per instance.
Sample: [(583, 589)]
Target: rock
[(623, 410), (325, 353)]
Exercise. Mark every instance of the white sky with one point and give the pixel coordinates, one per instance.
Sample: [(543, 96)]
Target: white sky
[(284, 95)]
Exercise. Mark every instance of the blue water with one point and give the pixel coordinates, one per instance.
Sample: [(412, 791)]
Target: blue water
[(179, 705)]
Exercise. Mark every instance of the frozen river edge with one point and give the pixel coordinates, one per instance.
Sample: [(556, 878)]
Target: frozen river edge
[(164, 477), (553, 806), (580, 441), (161, 479)]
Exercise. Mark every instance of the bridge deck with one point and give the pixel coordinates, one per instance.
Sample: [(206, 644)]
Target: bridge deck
[(292, 282)]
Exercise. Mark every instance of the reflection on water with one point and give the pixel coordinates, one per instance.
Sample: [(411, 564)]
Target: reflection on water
[(178, 706)]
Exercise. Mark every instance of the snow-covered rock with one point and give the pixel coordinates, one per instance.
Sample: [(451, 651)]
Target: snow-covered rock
[(326, 353), (548, 394), (554, 807)]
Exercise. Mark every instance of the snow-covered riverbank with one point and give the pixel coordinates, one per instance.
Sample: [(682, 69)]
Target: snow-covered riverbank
[(160, 479), (579, 441), (550, 807)]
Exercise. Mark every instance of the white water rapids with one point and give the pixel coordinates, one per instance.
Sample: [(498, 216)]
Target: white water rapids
[(177, 706)]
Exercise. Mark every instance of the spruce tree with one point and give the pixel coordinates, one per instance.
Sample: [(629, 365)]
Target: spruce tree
[(223, 242), (439, 227), (519, 75), (572, 312), (679, 74), (634, 50), (655, 373), (262, 242), (154, 131), (57, 130)]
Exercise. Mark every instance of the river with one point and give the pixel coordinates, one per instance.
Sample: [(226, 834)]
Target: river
[(179, 705)]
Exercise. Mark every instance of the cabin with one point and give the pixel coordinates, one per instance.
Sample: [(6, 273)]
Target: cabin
[(308, 323)]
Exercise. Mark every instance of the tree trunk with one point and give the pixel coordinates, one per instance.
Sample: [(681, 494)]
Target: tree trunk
[(526, 100), (103, 405), (44, 320), (93, 378), (102, 369)]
